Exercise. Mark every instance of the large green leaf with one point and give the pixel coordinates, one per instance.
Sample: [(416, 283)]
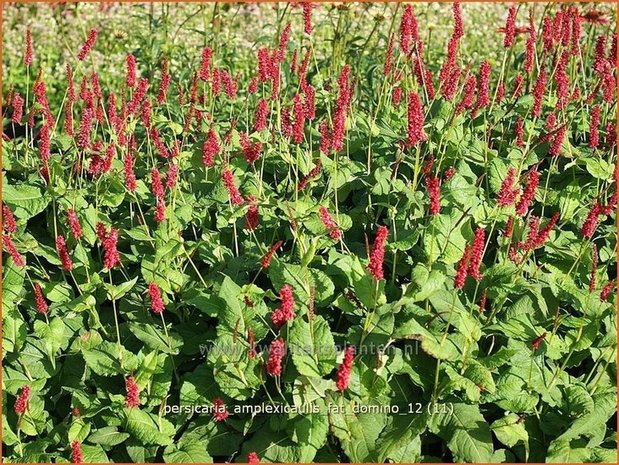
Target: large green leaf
[(25, 201), (312, 347), (466, 431)]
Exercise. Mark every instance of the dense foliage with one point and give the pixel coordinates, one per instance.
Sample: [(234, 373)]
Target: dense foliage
[(324, 209)]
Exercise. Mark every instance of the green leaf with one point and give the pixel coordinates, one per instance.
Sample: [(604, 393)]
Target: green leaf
[(231, 317), (25, 201), (12, 285), (310, 430), (52, 334), (466, 432), (103, 360), (119, 290), (599, 168), (444, 240), (78, 431), (480, 375), (427, 282), (187, 452), (147, 428), (357, 432), (302, 280), (565, 451), (510, 430), (312, 346), (605, 404), (94, 454), (402, 431), (108, 436), (156, 338)]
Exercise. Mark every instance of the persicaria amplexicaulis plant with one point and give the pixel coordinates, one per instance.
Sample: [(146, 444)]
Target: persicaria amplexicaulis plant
[(199, 210)]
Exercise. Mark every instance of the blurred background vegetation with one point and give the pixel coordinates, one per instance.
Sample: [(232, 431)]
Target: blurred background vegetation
[(179, 31)]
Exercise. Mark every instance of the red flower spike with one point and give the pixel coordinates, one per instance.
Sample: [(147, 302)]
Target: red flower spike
[(164, 84), (530, 47), (594, 267), (90, 42), (510, 28), (286, 311), (543, 234), (251, 151), (299, 120), (468, 95), (483, 86), (397, 96), (130, 179), (409, 34), (309, 102), (233, 192), (28, 54), (463, 266), (606, 290), (266, 260), (111, 257), (132, 71), (277, 350), (171, 176), (325, 138), (599, 61), (252, 217), (508, 192), (156, 301), (76, 452), (307, 19), (416, 120), (449, 172), (537, 342), (132, 398), (252, 457), (83, 138), (261, 115), (520, 132), (518, 86), (220, 412), (594, 135), (39, 300), (528, 193), (433, 187), (482, 301), (8, 219), (477, 254), (21, 404), (18, 108), (160, 209), (328, 222), (210, 148), (156, 184), (138, 96), (205, 65), (343, 371), (63, 253), (74, 223), (389, 57), (538, 93), (458, 31), (500, 91), (562, 80), (251, 341), (591, 222), (377, 254), (532, 235)]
